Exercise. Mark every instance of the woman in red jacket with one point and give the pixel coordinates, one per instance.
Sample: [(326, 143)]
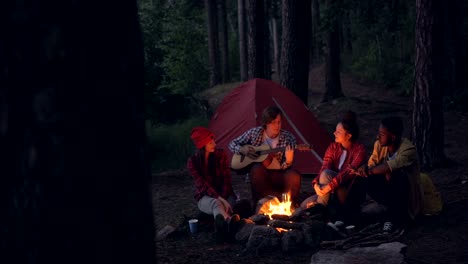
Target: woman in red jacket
[(213, 185), (336, 175)]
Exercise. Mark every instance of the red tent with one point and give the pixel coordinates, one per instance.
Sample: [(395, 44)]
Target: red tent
[(242, 108)]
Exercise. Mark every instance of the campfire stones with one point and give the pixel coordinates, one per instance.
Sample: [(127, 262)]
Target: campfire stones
[(263, 239), (245, 230), (261, 234), (292, 240)]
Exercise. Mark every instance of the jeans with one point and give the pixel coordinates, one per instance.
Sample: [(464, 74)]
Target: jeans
[(274, 182)]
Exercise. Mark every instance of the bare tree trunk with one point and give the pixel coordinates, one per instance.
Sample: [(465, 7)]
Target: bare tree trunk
[(316, 40), (455, 40), (295, 48), (72, 191), (255, 17), (347, 35), (275, 37), (267, 40), (242, 39), (332, 61), (428, 123), (224, 47), (213, 43)]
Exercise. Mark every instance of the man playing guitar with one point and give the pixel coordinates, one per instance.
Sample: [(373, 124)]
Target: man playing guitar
[(273, 176)]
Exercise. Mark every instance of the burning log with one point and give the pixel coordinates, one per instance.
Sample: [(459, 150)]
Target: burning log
[(280, 217), (260, 219), (285, 224)]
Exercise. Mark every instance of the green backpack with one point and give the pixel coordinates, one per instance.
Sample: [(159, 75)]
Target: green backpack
[(432, 203)]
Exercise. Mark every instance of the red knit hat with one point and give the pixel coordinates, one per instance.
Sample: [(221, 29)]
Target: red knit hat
[(201, 136)]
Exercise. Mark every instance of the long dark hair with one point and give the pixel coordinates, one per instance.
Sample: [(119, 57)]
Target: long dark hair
[(199, 162), (349, 123)]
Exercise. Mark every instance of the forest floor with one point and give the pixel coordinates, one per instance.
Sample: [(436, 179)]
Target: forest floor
[(435, 239)]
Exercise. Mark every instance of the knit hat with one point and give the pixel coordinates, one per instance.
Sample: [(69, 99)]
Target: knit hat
[(201, 136)]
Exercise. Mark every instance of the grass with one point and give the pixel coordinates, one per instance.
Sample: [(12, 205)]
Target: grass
[(170, 145)]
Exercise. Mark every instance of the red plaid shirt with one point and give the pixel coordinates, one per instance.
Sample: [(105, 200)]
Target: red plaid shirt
[(355, 157), (219, 184)]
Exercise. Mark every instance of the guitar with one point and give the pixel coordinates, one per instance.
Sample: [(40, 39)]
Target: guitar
[(240, 161)]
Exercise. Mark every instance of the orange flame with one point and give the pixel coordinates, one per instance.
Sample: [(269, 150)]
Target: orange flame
[(283, 208)]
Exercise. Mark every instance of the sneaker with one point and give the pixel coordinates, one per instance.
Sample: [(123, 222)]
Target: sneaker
[(387, 227), (333, 226), (339, 224), (220, 228)]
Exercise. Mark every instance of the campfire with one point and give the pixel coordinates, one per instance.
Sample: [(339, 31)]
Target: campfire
[(278, 224), (275, 207)]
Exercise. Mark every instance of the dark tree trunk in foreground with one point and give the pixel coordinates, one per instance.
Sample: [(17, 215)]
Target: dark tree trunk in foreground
[(75, 177), (224, 47), (295, 47), (428, 121), (213, 43), (255, 43), (332, 57), (242, 39)]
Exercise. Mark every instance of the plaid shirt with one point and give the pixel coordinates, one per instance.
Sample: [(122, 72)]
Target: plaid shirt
[(254, 137), (354, 159), (216, 185)]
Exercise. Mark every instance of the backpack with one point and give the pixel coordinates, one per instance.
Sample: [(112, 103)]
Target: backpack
[(432, 202)]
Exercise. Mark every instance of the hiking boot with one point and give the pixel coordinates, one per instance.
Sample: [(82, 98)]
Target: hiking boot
[(232, 226), (220, 228)]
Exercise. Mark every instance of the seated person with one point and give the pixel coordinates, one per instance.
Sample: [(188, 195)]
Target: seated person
[(274, 175), (393, 175), (337, 175), (213, 185)]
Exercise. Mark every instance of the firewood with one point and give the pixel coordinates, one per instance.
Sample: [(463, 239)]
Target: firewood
[(285, 224)]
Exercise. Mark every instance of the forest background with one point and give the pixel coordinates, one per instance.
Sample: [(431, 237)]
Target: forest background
[(79, 78), (416, 48)]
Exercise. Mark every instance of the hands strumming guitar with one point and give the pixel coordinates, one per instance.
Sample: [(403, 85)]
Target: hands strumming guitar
[(249, 151), (249, 154)]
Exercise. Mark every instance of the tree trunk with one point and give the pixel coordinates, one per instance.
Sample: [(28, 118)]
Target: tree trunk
[(255, 17), (73, 191), (295, 48), (267, 40), (276, 39), (347, 36), (316, 40), (224, 47), (242, 40), (428, 123), (455, 41), (332, 59), (213, 43)]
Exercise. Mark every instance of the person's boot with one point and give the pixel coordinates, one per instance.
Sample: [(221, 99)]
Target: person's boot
[(233, 226), (220, 229)]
